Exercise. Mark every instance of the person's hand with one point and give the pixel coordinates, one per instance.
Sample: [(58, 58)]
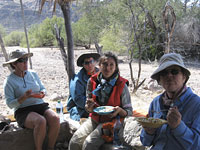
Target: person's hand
[(42, 94), (150, 131), (26, 95), (90, 105), (37, 95), (118, 110), (174, 117)]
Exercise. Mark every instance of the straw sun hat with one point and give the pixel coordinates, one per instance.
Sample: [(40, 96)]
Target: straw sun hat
[(168, 60), (15, 55), (81, 58)]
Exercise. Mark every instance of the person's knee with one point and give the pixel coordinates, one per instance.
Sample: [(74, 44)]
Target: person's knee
[(75, 143), (54, 120), (40, 122), (87, 144)]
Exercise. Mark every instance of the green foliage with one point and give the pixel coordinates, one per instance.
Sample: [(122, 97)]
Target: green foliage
[(44, 33), (14, 38), (112, 41), (2, 31), (82, 32)]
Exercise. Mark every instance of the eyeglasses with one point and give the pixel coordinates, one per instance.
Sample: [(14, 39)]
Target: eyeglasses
[(88, 62), (172, 71), (21, 60)]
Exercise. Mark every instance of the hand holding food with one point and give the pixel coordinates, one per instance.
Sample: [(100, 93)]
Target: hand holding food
[(174, 117), (38, 95), (26, 95), (90, 104)]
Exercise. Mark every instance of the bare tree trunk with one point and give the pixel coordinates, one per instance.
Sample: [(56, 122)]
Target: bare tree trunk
[(27, 42), (169, 27), (185, 6), (60, 41), (4, 51), (98, 48), (65, 7)]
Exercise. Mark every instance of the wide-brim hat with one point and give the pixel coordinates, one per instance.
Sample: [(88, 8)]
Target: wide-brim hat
[(15, 55), (168, 60), (81, 58)]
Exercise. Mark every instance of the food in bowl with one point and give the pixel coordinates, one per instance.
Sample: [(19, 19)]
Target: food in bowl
[(151, 122)]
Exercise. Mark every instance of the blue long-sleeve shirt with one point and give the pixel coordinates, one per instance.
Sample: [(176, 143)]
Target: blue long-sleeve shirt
[(14, 88), (186, 136), (77, 97)]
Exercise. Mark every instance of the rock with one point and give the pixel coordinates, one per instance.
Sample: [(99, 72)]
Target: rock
[(131, 133), (22, 139), (55, 97)]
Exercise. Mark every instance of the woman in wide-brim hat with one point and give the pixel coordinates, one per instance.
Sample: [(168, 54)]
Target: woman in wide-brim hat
[(78, 85), (81, 58), (24, 93), (177, 104), (16, 55)]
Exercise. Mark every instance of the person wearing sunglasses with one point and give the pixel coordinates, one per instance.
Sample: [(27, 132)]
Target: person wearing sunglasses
[(181, 105), (24, 92), (106, 88), (77, 97)]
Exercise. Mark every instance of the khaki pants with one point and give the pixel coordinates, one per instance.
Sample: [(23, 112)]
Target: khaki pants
[(87, 137)]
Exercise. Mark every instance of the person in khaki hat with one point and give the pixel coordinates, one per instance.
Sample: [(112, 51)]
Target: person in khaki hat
[(178, 105), (77, 97), (23, 92)]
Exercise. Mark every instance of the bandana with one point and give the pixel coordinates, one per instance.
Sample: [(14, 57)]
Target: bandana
[(168, 101), (104, 88)]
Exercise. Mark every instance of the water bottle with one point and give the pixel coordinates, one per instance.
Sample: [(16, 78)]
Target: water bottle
[(117, 126), (59, 110)]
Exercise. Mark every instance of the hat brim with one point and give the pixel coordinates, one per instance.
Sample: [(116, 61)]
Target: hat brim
[(162, 67), (5, 64), (81, 58)]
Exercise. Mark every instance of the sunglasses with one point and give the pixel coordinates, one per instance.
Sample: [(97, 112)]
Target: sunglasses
[(21, 60), (172, 71), (88, 62)]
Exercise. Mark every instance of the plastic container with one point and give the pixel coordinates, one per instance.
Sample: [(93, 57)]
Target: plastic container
[(59, 110), (117, 126)]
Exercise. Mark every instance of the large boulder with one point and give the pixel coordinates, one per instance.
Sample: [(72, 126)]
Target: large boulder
[(22, 139)]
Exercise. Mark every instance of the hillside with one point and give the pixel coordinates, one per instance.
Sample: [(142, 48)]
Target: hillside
[(11, 15)]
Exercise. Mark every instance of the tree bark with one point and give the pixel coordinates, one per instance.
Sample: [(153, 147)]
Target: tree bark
[(4, 51), (26, 35), (60, 41), (65, 7)]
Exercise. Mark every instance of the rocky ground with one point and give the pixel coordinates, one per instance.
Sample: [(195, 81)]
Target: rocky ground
[(48, 63)]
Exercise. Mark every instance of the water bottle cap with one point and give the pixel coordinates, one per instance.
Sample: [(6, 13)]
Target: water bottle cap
[(58, 101)]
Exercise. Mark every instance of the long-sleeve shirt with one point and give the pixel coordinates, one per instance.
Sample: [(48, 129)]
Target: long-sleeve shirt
[(187, 135), (125, 98), (15, 86), (77, 97)]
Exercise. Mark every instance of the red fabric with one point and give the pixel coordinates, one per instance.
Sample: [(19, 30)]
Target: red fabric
[(140, 113), (109, 126), (114, 99)]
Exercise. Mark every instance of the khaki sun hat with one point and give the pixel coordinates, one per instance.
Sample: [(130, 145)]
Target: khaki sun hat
[(15, 55), (81, 58), (168, 60)]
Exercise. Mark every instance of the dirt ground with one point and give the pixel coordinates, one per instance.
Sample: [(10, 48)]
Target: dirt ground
[(48, 63)]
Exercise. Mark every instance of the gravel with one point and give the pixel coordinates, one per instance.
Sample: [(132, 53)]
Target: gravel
[(48, 63)]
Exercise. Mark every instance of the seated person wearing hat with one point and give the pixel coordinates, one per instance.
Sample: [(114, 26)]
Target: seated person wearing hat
[(23, 92), (78, 85), (178, 105)]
